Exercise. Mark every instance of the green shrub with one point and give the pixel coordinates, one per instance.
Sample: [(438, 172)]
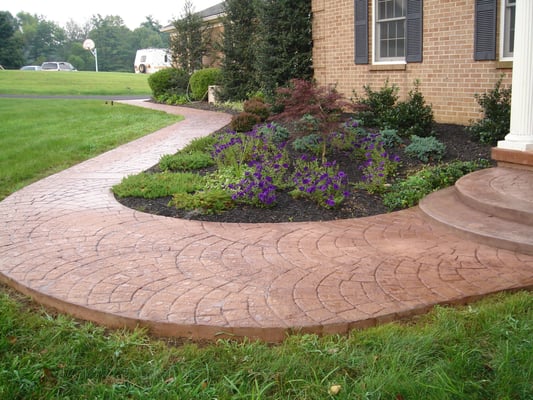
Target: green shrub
[(172, 99), (426, 149), (200, 144), (378, 105), (412, 116), (274, 132), (408, 192), (168, 81), (204, 202), (151, 186), (201, 80), (258, 107), (390, 138), (244, 122), (183, 161), (496, 121), (310, 143)]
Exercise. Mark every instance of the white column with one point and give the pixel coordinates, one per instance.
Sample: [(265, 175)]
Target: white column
[(521, 135)]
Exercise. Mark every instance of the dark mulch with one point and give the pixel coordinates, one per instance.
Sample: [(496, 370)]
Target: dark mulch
[(360, 204)]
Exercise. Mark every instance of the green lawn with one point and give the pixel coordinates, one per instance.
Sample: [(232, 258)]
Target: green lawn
[(483, 351), (73, 83), (41, 136)]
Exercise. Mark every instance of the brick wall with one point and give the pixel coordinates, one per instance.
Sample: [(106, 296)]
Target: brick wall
[(449, 75)]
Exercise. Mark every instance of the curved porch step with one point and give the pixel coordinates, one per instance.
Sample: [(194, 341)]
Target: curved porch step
[(446, 207), (504, 192)]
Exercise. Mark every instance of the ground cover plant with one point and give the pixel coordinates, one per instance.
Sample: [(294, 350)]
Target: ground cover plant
[(39, 137), (315, 160), (480, 351)]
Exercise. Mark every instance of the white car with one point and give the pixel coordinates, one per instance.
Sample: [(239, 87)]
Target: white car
[(57, 66), (31, 68)]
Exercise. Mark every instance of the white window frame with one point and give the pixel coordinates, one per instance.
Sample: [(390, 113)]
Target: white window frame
[(376, 42), (505, 28)]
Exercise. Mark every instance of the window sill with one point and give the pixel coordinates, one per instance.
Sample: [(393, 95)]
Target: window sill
[(388, 67), (504, 65)]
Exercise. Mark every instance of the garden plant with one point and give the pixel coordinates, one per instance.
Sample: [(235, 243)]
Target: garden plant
[(310, 154)]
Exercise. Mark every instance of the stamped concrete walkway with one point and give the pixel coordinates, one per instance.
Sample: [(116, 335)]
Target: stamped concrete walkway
[(66, 242)]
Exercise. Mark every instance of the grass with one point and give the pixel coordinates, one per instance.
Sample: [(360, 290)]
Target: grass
[(73, 83), (39, 137), (481, 351)]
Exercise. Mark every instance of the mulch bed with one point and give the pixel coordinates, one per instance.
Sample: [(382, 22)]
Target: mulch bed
[(459, 146)]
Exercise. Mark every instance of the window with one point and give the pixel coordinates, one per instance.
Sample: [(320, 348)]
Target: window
[(507, 29), (398, 31), (390, 30)]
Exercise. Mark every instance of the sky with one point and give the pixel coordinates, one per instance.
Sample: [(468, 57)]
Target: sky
[(133, 13)]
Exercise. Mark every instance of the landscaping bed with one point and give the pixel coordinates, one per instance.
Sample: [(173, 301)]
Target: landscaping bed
[(359, 203)]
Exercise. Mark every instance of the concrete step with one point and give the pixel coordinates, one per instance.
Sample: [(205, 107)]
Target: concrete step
[(503, 192), (478, 218)]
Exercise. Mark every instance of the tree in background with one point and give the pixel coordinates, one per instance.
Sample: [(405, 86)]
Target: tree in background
[(239, 42), (31, 39), (149, 35), (11, 55), (188, 44), (284, 50), (114, 42), (43, 39)]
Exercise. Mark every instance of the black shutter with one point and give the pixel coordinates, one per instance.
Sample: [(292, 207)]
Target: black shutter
[(485, 30), (361, 31), (415, 28)]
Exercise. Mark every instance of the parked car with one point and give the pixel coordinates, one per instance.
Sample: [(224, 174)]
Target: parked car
[(57, 66), (31, 68)]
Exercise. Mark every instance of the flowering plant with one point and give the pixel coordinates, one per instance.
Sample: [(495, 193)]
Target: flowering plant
[(321, 182), (377, 165)]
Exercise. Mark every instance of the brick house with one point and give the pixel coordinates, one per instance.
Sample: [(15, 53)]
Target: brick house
[(455, 48)]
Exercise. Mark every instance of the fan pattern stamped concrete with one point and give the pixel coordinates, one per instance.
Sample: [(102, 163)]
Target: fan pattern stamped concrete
[(66, 242)]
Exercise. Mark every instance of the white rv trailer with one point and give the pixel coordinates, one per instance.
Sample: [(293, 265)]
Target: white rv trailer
[(148, 61)]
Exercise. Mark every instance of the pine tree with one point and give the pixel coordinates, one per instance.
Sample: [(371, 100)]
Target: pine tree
[(10, 42), (285, 42), (188, 44), (239, 75)]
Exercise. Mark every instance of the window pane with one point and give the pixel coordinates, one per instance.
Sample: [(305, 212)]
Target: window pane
[(508, 29), (383, 49), (388, 9), (382, 9), (399, 8), (400, 48)]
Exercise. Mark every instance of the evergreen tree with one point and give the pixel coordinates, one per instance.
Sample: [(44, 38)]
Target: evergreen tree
[(188, 44), (239, 74), (10, 42), (285, 42)]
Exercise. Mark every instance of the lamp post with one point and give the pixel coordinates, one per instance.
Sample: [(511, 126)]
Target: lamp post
[(89, 45)]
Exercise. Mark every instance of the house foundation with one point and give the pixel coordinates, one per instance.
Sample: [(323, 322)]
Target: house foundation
[(517, 148)]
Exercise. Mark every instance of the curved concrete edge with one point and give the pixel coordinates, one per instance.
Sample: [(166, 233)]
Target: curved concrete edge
[(201, 332)]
